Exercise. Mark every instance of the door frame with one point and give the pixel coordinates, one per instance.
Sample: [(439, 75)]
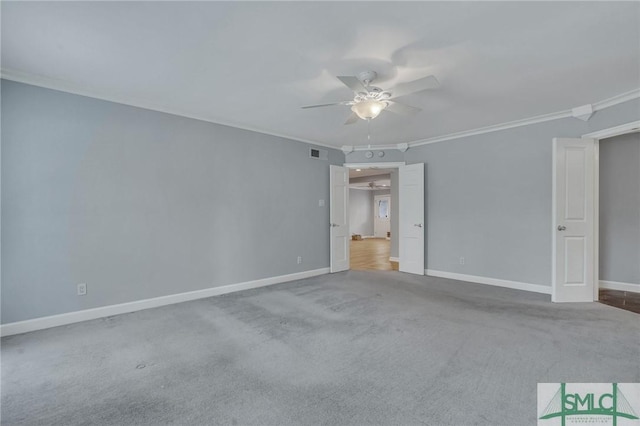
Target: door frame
[(379, 165), (600, 134)]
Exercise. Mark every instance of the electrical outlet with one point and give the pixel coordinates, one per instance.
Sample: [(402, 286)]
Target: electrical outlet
[(320, 203), (82, 289), (462, 260), (299, 260)]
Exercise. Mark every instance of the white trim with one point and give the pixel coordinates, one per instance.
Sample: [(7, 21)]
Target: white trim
[(614, 131), (138, 305), (603, 134), (402, 147), (494, 128), (615, 285), (554, 207), (596, 219), (597, 106), (374, 147), (389, 165), (536, 288), (63, 86), (583, 112), (394, 259), (617, 99)]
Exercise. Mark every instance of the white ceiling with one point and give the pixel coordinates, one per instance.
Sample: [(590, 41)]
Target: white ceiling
[(255, 64)]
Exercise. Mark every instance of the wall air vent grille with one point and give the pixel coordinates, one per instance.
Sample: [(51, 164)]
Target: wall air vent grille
[(318, 154)]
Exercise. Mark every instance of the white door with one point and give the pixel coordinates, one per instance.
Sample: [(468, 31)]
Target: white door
[(339, 217), (411, 218), (573, 220), (381, 215)]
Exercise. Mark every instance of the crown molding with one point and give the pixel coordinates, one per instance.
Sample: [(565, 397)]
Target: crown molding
[(597, 106), (494, 128), (622, 129), (618, 99), (76, 89), (64, 86), (390, 165), (374, 147)]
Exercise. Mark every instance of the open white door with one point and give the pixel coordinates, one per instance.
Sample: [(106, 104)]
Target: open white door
[(573, 220), (339, 217), (411, 218)]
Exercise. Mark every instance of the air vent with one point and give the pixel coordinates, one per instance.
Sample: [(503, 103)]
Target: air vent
[(318, 154)]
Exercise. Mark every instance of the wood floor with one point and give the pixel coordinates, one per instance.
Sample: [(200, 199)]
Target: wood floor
[(371, 254), (626, 300)]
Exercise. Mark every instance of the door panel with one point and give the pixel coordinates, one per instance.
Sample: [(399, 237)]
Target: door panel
[(575, 261), (411, 215), (573, 227), (339, 217)]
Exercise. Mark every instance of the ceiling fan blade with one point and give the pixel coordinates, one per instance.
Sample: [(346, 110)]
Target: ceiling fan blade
[(401, 109), (352, 118), (325, 105), (414, 86), (353, 83)]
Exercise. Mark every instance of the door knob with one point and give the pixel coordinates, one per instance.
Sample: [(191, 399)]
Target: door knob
[(561, 227), (419, 225), (333, 225)]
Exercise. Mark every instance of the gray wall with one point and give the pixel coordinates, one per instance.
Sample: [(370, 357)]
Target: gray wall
[(620, 209), (390, 156), (488, 197), (360, 212), (139, 204)]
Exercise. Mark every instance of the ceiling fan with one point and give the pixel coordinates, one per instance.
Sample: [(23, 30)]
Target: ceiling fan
[(369, 101), (373, 185)]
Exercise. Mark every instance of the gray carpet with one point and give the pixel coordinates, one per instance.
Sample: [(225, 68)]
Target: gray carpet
[(355, 348)]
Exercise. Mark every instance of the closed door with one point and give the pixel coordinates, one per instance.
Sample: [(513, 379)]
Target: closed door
[(573, 220)]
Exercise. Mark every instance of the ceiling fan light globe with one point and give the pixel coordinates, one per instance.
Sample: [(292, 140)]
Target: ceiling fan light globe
[(368, 110)]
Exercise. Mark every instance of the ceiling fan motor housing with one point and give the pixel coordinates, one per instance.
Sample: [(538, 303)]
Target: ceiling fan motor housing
[(367, 77)]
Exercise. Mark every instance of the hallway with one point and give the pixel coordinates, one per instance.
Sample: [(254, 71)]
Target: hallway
[(371, 254)]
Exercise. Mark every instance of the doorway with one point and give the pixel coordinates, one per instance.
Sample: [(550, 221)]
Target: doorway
[(370, 212), (576, 215), (618, 277), (410, 216)]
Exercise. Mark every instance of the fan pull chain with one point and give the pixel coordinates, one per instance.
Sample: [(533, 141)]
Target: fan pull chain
[(368, 129)]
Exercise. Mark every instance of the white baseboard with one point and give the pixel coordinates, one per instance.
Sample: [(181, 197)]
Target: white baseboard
[(123, 308), (394, 259), (536, 288), (615, 285)]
